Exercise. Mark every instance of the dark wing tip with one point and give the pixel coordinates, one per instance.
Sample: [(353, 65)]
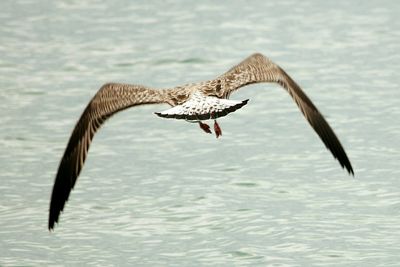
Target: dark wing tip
[(349, 168), (51, 225), (351, 172), (61, 190), (345, 163), (70, 166), (330, 140)]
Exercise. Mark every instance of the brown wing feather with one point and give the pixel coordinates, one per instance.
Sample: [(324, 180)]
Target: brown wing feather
[(110, 99), (256, 69)]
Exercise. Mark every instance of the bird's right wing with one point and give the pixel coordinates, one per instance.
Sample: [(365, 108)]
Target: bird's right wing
[(110, 99), (258, 69)]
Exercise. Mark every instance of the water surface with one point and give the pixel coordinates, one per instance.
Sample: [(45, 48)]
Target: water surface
[(158, 192)]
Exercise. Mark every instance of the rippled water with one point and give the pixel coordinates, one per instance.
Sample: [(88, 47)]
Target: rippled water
[(159, 192)]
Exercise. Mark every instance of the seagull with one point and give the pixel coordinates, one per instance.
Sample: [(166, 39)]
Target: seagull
[(196, 103)]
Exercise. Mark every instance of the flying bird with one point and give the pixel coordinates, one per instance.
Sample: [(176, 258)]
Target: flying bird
[(197, 102)]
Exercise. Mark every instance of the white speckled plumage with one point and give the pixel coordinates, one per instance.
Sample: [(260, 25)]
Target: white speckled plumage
[(201, 107)]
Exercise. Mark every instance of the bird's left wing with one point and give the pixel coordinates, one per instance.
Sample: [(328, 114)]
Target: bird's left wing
[(110, 99)]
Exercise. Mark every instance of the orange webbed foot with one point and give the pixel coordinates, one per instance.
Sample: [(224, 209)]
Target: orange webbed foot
[(217, 129), (205, 127)]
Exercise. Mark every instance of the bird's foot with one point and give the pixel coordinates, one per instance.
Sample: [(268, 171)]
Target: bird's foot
[(217, 129), (205, 127)]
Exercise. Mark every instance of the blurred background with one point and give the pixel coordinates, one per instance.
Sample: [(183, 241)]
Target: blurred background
[(157, 192)]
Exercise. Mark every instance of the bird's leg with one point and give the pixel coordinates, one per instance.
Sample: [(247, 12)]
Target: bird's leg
[(205, 127), (217, 129)]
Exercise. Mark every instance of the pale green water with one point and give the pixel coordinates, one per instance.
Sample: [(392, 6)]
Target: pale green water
[(158, 192)]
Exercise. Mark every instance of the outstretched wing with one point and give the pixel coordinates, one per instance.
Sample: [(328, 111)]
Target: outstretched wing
[(110, 99), (256, 69)]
